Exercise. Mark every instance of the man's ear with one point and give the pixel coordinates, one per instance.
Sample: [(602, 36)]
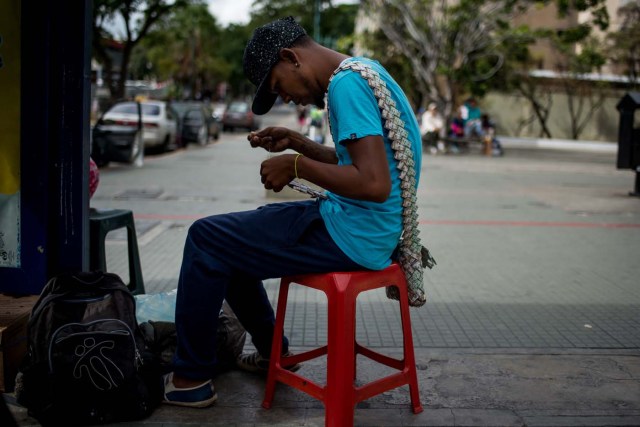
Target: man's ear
[(288, 55)]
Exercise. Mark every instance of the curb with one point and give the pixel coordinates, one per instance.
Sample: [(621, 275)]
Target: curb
[(559, 144)]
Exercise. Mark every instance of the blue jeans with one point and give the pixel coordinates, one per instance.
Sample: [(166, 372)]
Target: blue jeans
[(473, 127), (227, 257)]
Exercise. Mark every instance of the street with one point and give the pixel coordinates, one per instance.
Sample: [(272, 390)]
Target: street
[(533, 249), (533, 315)]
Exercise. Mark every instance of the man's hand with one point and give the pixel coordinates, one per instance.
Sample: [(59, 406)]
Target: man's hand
[(277, 172), (272, 139)]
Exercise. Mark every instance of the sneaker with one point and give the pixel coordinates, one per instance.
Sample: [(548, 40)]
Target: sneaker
[(194, 397), (253, 362)]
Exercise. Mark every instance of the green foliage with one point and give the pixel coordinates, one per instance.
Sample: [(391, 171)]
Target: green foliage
[(394, 62), (572, 35), (596, 8), (590, 58), (469, 47), (183, 47), (454, 48), (265, 11), (624, 44), (138, 17), (231, 49), (186, 45), (335, 22)]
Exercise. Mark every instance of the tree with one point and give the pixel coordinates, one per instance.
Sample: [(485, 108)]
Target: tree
[(378, 46), (584, 97), (624, 44), (579, 54), (463, 47), (336, 27), (453, 47), (334, 22), (183, 47), (515, 76), (137, 17), (582, 55), (231, 50)]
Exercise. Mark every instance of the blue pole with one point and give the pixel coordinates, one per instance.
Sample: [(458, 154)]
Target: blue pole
[(316, 21)]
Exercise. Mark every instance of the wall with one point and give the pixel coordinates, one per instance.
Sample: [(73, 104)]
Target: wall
[(508, 110)]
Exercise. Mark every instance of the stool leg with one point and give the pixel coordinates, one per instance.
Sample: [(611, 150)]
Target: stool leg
[(340, 396), (136, 284), (409, 356), (276, 345), (355, 360), (98, 256)]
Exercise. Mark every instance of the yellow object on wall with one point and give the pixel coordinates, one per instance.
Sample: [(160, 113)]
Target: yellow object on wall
[(10, 96)]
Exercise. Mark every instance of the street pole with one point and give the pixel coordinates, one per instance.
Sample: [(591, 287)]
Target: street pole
[(316, 21), (636, 191)]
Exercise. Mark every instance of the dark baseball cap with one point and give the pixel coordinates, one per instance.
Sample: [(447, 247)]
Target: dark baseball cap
[(262, 53)]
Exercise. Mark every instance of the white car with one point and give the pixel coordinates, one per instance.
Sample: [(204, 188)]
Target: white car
[(159, 122)]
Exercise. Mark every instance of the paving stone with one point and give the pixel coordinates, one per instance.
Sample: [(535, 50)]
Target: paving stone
[(533, 312)]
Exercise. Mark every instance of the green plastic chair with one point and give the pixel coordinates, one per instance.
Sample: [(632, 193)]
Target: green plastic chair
[(102, 222)]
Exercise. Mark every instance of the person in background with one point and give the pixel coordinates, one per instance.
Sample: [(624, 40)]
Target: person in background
[(315, 129), (94, 177), (432, 129), (356, 225), (489, 129), (301, 112), (471, 116), (456, 131)]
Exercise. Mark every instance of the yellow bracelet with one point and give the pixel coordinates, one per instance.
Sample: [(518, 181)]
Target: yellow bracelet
[(295, 164)]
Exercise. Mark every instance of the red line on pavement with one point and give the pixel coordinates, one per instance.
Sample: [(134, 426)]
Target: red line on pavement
[(445, 222), (532, 224)]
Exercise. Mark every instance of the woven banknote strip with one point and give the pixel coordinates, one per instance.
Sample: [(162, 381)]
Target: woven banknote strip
[(412, 256)]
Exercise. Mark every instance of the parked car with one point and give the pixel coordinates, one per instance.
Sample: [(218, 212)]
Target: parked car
[(197, 122), (219, 109), (239, 115), (117, 140), (159, 121)]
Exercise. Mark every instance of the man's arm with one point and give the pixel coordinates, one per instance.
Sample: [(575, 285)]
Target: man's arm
[(367, 178)]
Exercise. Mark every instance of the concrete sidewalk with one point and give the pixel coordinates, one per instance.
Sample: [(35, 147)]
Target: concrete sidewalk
[(534, 307), (457, 388)]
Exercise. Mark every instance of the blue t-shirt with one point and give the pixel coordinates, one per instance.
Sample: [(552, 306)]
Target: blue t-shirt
[(367, 232)]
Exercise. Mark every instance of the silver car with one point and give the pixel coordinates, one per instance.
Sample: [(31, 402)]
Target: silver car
[(159, 121)]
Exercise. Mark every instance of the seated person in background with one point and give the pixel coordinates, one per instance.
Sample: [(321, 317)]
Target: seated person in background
[(432, 129), (315, 129), (489, 129), (471, 116), (456, 131)]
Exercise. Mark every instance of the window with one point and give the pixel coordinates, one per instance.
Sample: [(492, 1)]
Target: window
[(150, 110)]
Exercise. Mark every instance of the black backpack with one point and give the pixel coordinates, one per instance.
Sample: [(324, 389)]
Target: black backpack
[(86, 360)]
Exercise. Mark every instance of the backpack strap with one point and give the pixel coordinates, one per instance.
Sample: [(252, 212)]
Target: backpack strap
[(412, 256), (65, 285)]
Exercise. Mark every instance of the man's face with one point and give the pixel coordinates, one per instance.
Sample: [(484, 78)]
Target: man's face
[(293, 85)]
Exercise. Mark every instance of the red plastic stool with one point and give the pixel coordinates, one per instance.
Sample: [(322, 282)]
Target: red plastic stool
[(340, 394)]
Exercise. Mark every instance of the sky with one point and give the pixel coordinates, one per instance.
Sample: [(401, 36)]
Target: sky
[(226, 12), (237, 11), (230, 11)]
